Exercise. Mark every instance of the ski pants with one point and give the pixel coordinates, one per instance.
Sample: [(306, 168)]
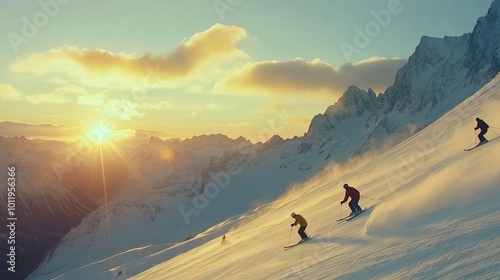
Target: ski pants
[(302, 232), (354, 205), (481, 135)]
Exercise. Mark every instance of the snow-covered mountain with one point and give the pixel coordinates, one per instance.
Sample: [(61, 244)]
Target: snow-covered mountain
[(432, 213), (177, 189), (439, 75), (46, 207)]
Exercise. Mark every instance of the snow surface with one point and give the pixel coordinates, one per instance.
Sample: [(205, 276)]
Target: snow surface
[(138, 229), (433, 213)]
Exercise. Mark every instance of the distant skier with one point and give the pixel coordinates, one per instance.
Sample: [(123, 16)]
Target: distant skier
[(354, 195), (484, 128), (303, 224)]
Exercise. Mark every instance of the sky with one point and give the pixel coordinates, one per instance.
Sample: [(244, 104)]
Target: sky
[(71, 69)]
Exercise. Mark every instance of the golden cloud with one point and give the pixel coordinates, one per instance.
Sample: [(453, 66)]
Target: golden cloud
[(121, 110), (10, 93), (214, 44), (300, 76), (53, 97), (46, 131), (91, 99)]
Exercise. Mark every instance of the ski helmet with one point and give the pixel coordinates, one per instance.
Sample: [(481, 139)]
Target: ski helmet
[(293, 214), (345, 186)]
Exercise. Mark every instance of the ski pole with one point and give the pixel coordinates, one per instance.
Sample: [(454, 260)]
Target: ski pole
[(494, 131), (475, 137), (366, 197), (340, 216), (289, 235)]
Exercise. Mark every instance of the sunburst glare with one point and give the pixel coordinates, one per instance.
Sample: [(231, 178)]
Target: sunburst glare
[(100, 134)]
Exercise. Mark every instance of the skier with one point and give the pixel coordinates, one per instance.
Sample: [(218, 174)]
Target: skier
[(484, 128), (303, 224), (354, 195)]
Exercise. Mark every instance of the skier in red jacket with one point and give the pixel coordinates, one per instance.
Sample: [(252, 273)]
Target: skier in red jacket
[(354, 195)]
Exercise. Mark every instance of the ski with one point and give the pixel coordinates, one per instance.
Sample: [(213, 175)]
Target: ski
[(345, 218), (355, 215), (293, 245), (350, 216), (478, 145)]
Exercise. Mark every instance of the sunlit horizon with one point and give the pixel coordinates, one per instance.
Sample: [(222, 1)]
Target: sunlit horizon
[(217, 71)]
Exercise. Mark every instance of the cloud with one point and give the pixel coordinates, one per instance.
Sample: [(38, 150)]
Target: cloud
[(54, 98), (120, 109), (46, 131), (163, 105), (141, 134), (212, 45), (299, 76), (240, 124), (91, 99), (9, 93), (205, 106)]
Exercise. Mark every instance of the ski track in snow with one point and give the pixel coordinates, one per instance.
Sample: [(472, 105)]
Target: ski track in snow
[(439, 218), (434, 215)]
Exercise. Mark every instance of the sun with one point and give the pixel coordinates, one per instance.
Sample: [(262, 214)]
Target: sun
[(100, 134), (106, 134)]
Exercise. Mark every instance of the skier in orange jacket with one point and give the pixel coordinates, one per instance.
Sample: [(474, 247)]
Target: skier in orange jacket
[(299, 220)]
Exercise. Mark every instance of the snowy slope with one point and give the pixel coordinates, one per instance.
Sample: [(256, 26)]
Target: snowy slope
[(441, 73), (155, 216), (171, 194), (434, 215)]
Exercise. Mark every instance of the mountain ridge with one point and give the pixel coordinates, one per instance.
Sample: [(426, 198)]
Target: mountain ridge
[(429, 85)]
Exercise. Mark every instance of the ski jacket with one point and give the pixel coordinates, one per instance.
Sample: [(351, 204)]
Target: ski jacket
[(300, 220), (482, 125), (352, 193)]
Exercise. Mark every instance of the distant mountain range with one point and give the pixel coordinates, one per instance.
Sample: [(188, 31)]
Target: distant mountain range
[(166, 191)]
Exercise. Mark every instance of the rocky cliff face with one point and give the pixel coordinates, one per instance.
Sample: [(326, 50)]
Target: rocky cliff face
[(440, 74)]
